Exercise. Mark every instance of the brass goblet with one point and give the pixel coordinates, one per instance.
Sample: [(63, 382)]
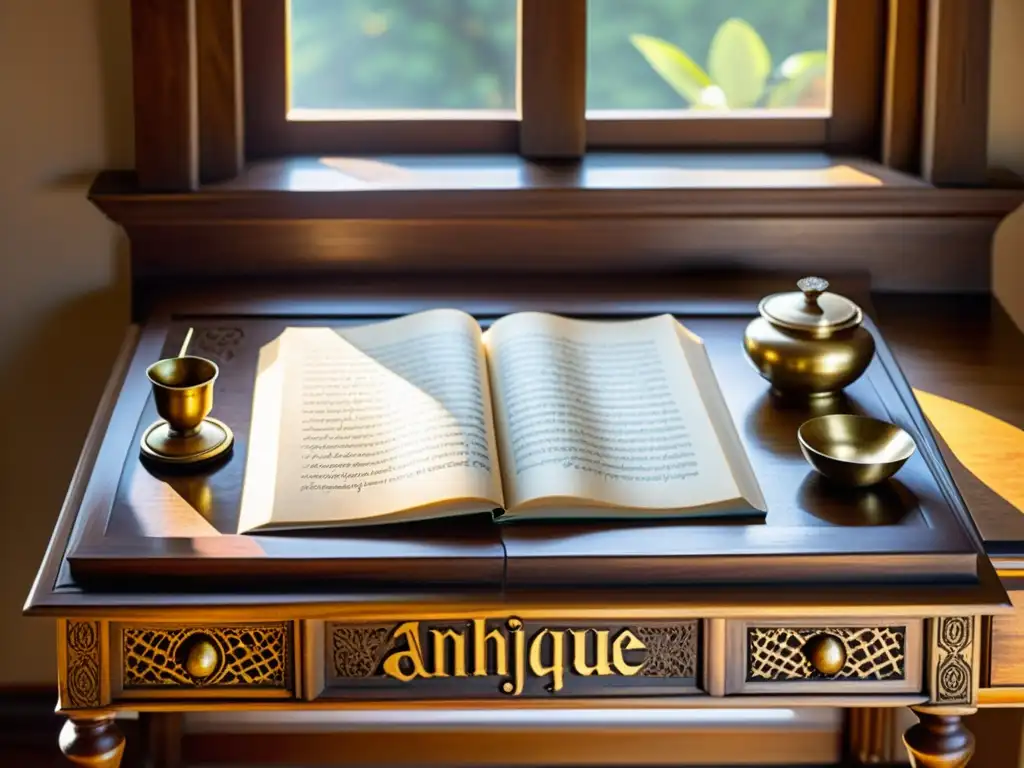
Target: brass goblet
[(183, 394)]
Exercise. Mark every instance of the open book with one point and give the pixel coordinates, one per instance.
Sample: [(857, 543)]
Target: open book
[(426, 416)]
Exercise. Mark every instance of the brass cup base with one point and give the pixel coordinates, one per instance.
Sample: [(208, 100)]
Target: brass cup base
[(805, 398), (213, 439)]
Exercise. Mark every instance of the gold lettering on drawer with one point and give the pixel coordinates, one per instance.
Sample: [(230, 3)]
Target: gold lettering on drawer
[(254, 656), (782, 653), (491, 656)]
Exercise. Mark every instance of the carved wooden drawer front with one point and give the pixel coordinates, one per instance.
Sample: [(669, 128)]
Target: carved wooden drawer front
[(505, 658), (202, 661), (852, 656)]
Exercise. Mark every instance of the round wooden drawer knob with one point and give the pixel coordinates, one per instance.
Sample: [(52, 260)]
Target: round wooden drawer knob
[(203, 658), (826, 653)]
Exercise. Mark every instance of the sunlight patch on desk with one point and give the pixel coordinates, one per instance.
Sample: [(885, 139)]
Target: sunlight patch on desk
[(988, 447), (160, 510)]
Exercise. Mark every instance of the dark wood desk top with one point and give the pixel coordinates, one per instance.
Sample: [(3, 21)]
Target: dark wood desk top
[(141, 526), (127, 535)]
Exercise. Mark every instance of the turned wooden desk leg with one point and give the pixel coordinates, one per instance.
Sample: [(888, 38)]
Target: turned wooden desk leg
[(938, 741), (93, 742)]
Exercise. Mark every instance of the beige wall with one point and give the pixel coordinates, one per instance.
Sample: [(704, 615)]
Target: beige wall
[(1006, 147), (65, 91), (65, 112)]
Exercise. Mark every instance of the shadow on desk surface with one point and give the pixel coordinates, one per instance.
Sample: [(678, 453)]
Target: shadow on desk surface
[(136, 525)]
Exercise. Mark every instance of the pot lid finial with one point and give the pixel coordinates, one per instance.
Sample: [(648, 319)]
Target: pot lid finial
[(813, 309)]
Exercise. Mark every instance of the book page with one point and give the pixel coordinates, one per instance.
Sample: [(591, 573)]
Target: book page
[(608, 412), (363, 422)]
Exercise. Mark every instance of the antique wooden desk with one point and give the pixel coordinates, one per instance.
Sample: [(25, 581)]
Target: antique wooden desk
[(889, 598)]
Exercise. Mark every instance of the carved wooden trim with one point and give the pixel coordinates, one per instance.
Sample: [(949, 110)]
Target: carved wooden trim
[(357, 651), (953, 668), (83, 668), (671, 649)]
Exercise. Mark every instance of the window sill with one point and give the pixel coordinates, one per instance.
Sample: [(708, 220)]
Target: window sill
[(609, 213), (507, 186)]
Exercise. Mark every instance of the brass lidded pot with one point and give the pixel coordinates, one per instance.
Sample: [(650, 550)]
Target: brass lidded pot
[(809, 343)]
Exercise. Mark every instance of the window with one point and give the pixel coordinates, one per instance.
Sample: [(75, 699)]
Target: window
[(725, 56), (217, 86), (520, 75), (357, 58)]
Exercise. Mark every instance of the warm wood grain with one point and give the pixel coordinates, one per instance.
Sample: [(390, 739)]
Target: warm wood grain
[(365, 297), (926, 255), (668, 129), (940, 740), (870, 736), (552, 78), (92, 742), (610, 213), (165, 516), (956, 78), (264, 75), (1006, 654), (901, 117), (968, 351), (858, 56), (166, 94), (164, 733), (808, 530), (581, 553), (988, 447), (221, 130), (606, 745)]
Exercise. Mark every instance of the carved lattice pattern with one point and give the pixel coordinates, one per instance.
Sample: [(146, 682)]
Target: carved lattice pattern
[(872, 653), (671, 649), (255, 656)]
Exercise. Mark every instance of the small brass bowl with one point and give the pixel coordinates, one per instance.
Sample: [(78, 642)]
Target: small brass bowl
[(183, 392), (856, 451)]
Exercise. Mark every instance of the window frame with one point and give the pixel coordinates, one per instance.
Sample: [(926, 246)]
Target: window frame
[(551, 40), (197, 213), (928, 105), (552, 79), (858, 57)]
